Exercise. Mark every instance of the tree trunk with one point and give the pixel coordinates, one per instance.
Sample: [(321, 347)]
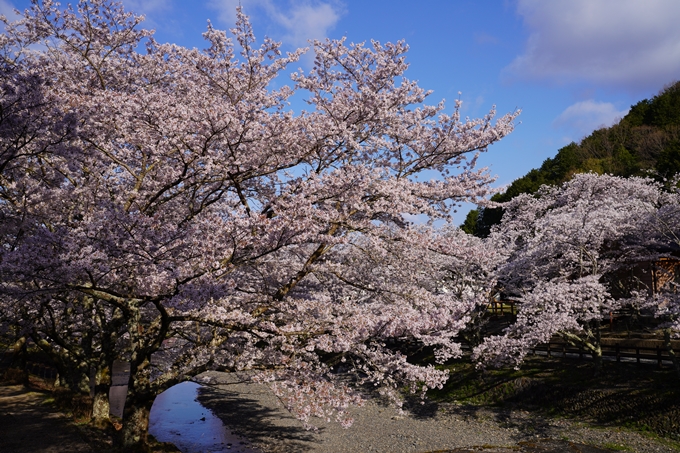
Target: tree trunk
[(100, 403), (100, 408), (138, 404), (134, 437), (72, 374), (669, 348), (591, 342), (597, 349), (60, 381), (81, 383), (140, 393), (597, 360), (20, 358)]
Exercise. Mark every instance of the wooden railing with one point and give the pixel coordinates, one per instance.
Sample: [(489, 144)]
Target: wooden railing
[(502, 307), (624, 351), (39, 369)]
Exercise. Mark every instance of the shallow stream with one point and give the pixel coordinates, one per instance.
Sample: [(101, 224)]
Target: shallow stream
[(177, 417)]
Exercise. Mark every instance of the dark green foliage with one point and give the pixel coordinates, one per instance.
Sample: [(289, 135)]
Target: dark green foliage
[(626, 163), (664, 109), (668, 162), (470, 224), (661, 111), (646, 142), (638, 112)]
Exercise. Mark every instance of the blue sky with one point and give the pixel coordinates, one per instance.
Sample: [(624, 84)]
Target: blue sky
[(571, 66)]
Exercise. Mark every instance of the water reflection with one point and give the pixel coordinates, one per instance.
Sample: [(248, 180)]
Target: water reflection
[(177, 417)]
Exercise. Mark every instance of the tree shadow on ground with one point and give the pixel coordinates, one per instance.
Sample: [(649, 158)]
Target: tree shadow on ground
[(538, 446), (262, 425), (650, 406), (27, 424)]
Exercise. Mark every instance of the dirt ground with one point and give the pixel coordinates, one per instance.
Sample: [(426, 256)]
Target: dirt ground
[(30, 422), (29, 425), (253, 412)]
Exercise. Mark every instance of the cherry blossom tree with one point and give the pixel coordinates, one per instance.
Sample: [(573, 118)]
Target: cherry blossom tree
[(660, 239), (167, 208), (565, 248)]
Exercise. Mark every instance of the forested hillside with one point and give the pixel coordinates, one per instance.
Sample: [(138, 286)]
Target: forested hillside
[(645, 142)]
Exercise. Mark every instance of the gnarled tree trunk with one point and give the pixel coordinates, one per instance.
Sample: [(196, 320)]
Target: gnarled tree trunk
[(134, 437), (20, 358), (669, 347), (100, 403)]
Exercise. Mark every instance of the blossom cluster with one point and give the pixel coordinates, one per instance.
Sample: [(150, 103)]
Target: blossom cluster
[(574, 254), (166, 207)]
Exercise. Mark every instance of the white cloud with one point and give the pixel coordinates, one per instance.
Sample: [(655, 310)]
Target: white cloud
[(7, 10), (584, 117), (309, 22), (302, 21), (155, 14), (629, 43)]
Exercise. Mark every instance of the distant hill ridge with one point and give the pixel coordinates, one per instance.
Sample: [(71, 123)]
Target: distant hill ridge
[(645, 142)]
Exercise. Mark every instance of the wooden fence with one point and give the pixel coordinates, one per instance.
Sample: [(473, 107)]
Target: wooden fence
[(613, 349), (623, 351), (502, 307), (39, 369)]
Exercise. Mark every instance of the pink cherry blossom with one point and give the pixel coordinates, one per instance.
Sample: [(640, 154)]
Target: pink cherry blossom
[(164, 206), (567, 250)]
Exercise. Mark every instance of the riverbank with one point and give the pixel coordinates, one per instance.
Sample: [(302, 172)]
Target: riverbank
[(252, 411), (30, 422)]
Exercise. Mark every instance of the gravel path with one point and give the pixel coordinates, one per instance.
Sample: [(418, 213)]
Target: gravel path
[(253, 412)]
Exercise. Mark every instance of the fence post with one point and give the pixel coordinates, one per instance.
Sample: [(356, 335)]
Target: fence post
[(548, 349), (618, 353), (637, 355), (658, 356)]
